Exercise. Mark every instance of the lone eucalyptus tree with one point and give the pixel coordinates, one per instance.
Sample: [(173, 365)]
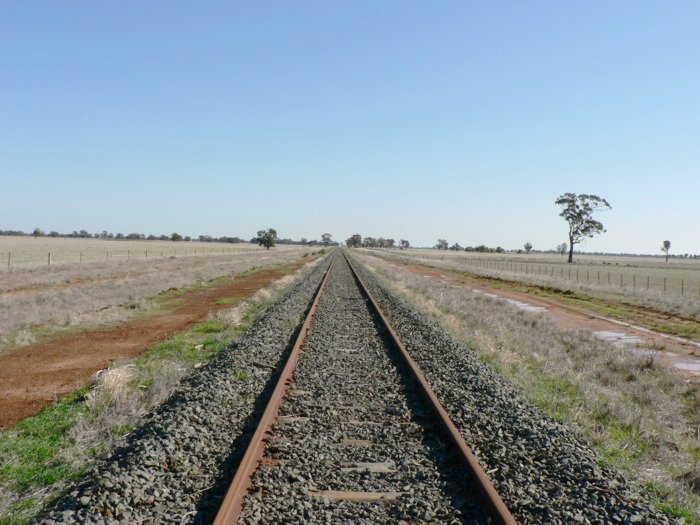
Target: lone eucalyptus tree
[(578, 211), (665, 247)]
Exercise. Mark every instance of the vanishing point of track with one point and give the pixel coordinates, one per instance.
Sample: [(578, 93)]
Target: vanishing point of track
[(361, 423)]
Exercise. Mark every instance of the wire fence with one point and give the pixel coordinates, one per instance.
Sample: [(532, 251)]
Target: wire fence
[(18, 259), (628, 278)]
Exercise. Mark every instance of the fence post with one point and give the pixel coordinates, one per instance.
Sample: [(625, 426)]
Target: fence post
[(49, 258), (81, 258), (664, 284), (620, 280), (576, 274), (647, 282), (146, 254), (9, 259), (108, 255), (682, 286), (588, 280), (608, 278), (634, 281), (599, 277)]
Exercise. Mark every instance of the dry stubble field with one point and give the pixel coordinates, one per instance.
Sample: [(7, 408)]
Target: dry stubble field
[(41, 300)]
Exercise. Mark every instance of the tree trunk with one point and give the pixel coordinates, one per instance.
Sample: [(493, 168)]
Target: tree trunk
[(571, 251), (666, 257)]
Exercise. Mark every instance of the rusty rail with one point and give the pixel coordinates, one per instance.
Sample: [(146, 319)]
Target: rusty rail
[(498, 512), (230, 509)]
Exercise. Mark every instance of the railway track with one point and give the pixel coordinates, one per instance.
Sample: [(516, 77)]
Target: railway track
[(353, 437), (353, 432)]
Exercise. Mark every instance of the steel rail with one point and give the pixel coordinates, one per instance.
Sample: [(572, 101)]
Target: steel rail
[(487, 493), (230, 509)]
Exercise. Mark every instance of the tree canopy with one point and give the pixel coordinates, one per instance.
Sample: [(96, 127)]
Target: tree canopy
[(665, 247), (577, 211), (267, 238)]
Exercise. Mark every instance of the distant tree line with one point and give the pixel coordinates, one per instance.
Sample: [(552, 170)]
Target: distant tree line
[(326, 238), (442, 244), (357, 241)]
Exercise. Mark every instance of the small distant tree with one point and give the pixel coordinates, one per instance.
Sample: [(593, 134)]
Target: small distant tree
[(578, 211), (38, 232), (561, 248), (54, 234), (442, 244), (175, 237), (354, 241), (528, 247), (499, 249), (404, 244), (389, 243), (326, 239), (267, 238), (665, 247), (456, 247), (303, 240)]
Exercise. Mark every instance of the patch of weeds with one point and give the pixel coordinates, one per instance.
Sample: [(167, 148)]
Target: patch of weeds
[(240, 376), (662, 498), (229, 301), (555, 396), (122, 430), (30, 455)]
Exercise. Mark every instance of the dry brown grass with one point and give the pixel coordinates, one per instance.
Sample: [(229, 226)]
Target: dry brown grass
[(641, 418), (30, 252), (98, 293)]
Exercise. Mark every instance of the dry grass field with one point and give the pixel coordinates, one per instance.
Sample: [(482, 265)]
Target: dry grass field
[(672, 286), (39, 300), (28, 252)]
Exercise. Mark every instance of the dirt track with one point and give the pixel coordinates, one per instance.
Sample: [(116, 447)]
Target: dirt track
[(32, 377)]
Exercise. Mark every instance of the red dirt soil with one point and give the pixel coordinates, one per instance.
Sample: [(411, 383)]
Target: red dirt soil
[(32, 377)]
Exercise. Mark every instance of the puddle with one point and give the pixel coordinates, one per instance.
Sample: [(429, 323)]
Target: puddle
[(631, 342), (618, 338), (527, 307), (518, 304), (689, 366)]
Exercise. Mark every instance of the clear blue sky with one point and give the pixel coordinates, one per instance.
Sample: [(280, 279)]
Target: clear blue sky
[(418, 120)]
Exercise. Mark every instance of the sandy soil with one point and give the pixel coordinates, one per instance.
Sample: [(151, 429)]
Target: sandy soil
[(681, 355), (32, 377)]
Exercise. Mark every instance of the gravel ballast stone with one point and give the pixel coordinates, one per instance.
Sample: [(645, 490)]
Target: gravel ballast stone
[(352, 423)]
